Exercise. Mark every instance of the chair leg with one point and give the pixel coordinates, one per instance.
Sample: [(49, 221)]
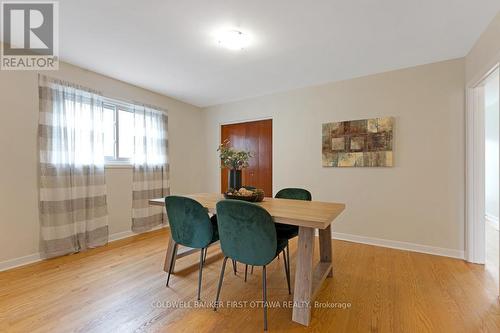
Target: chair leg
[(288, 256), (289, 262), (205, 256), (287, 272), (220, 283), (246, 269), (264, 296), (200, 273), (234, 266), (172, 259), (251, 271)]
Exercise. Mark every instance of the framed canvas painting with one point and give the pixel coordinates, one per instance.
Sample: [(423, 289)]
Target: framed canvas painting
[(358, 143)]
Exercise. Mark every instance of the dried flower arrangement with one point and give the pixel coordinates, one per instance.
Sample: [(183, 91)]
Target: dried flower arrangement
[(231, 158)]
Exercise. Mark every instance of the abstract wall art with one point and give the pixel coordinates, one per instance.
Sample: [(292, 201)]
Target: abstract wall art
[(358, 143)]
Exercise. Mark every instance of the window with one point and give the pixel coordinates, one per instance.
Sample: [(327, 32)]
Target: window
[(118, 133)]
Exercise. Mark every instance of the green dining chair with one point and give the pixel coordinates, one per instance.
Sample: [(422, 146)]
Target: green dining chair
[(285, 230), (288, 231), (247, 235), (190, 226), (249, 188)]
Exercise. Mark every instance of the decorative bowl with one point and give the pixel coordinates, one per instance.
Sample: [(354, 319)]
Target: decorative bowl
[(259, 195), (250, 198)]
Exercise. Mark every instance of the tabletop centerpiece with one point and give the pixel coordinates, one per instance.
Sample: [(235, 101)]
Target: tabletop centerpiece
[(235, 161)]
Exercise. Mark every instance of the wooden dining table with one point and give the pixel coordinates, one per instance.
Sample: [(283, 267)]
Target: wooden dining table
[(308, 216)]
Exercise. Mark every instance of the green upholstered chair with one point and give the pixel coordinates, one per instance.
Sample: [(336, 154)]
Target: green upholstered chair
[(287, 231), (190, 226), (249, 188), (247, 235)]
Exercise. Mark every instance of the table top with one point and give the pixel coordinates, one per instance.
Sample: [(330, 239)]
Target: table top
[(312, 214)]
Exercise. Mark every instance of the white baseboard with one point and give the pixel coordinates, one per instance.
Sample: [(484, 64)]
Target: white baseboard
[(129, 233), (16, 262), (29, 259), (13, 263), (452, 253)]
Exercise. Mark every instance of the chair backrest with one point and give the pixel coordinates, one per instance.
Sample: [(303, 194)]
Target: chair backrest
[(189, 222), (246, 232), (294, 193)]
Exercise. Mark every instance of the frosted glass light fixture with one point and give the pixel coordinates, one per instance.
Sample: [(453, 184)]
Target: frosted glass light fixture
[(233, 39)]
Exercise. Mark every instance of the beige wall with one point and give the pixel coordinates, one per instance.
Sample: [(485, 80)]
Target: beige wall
[(420, 200), (19, 231), (485, 53)]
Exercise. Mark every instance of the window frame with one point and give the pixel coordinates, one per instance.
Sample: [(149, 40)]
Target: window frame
[(117, 106)]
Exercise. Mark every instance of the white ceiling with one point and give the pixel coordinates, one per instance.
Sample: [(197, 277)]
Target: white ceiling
[(167, 46)]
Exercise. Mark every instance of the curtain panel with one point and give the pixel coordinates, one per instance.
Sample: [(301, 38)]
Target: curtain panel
[(151, 167), (72, 188)]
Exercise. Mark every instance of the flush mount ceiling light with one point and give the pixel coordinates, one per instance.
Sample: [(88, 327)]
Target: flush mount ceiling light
[(233, 39)]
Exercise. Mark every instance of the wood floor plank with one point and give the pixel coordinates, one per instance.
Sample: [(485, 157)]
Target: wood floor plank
[(121, 288)]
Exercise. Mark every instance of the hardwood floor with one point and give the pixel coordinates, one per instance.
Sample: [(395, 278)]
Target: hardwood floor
[(121, 288)]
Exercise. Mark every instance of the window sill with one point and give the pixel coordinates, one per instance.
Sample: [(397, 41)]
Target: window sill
[(118, 166)]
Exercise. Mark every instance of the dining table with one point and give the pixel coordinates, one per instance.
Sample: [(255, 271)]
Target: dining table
[(309, 216)]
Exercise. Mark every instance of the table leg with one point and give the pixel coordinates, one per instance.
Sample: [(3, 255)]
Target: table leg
[(325, 247), (168, 256), (302, 294), (180, 252)]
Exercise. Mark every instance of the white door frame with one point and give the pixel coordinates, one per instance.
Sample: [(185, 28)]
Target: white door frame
[(475, 243), (475, 206)]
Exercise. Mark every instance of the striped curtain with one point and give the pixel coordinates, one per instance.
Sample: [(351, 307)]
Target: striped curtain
[(72, 188), (151, 168)]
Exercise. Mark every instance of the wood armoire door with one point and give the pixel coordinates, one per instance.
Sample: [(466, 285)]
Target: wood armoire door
[(257, 137)]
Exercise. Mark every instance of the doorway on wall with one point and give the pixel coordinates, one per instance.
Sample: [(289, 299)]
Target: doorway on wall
[(491, 171), (482, 235), (256, 137)]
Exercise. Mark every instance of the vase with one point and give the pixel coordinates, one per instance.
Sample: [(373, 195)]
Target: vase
[(234, 179)]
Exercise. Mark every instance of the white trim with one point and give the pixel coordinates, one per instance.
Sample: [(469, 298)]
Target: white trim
[(439, 251), (128, 106), (116, 165), (16, 262), (247, 120), (475, 206), (485, 72), (35, 257), (121, 235), (130, 233), (452, 253), (475, 246)]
